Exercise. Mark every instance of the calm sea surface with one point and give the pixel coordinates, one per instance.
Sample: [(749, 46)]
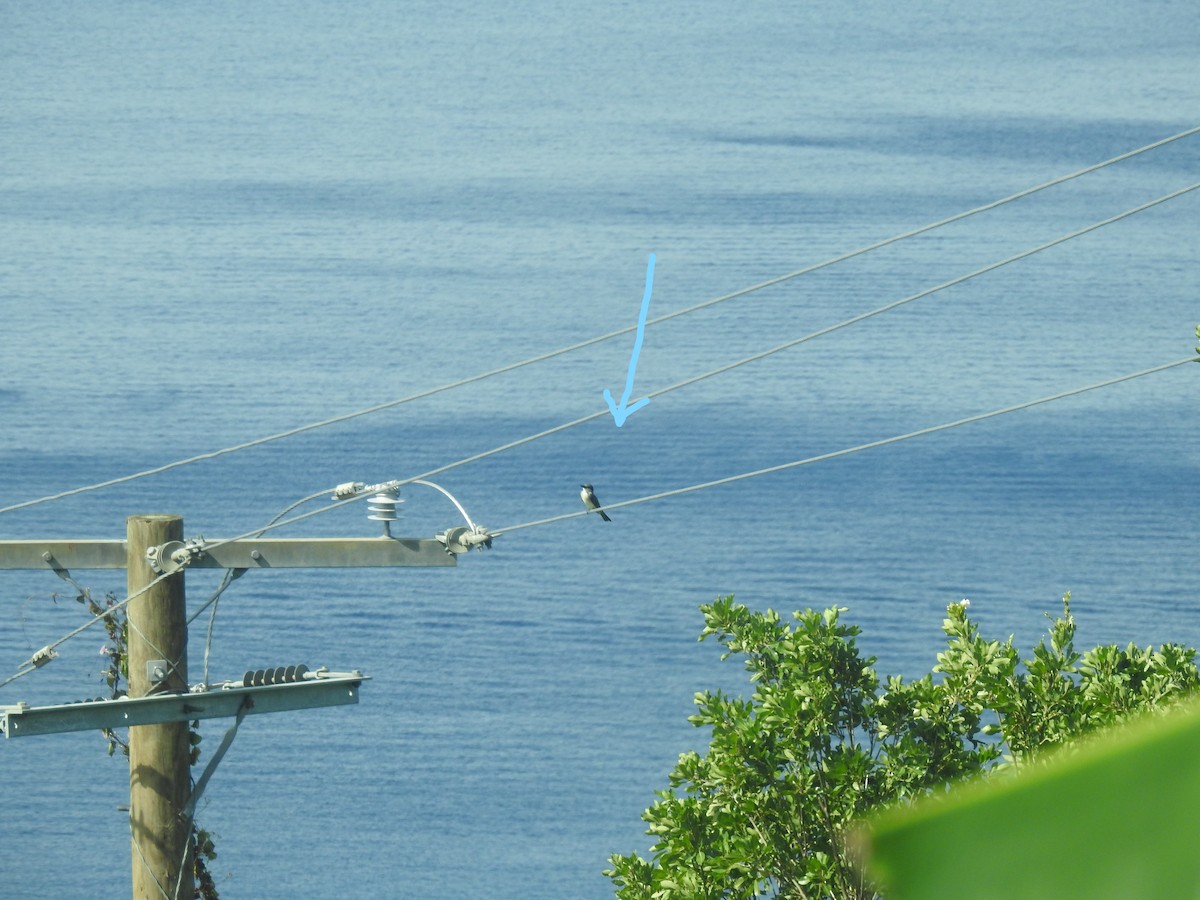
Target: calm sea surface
[(221, 221)]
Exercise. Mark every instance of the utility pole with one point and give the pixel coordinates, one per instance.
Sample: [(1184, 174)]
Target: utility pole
[(160, 706), (159, 755)]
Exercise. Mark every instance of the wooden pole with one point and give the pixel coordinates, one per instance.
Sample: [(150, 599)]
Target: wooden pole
[(159, 763)]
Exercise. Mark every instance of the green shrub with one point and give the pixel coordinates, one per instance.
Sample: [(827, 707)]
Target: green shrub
[(764, 812)]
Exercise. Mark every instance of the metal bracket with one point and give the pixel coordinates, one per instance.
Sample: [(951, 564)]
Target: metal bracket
[(61, 571), (157, 671)]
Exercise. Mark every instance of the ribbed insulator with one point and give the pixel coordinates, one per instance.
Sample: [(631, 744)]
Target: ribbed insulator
[(385, 506)]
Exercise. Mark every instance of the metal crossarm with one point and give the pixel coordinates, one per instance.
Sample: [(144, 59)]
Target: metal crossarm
[(332, 689), (251, 553)]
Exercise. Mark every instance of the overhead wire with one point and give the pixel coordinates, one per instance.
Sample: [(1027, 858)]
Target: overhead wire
[(604, 337), (85, 626), (991, 267), (279, 522), (662, 495), (137, 845), (231, 575), (787, 345), (20, 673)]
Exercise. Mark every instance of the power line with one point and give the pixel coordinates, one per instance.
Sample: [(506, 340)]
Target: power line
[(991, 267), (824, 331), (846, 452), (601, 338), (231, 575), (48, 651), (676, 492), (300, 518)]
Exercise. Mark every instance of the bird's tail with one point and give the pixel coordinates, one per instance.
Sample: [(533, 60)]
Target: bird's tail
[(604, 515)]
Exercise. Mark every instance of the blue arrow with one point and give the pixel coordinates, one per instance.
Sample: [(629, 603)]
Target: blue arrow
[(624, 410)]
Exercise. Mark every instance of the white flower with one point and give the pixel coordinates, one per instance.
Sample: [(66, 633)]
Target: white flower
[(964, 603)]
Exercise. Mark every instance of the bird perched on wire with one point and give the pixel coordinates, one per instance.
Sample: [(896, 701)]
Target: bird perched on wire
[(588, 496)]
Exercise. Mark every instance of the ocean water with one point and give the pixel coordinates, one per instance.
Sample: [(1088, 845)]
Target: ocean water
[(219, 222)]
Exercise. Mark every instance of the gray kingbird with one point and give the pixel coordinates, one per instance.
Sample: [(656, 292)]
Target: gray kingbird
[(588, 496)]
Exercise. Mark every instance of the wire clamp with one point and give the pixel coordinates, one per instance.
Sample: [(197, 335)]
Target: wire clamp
[(40, 658), (169, 558), (460, 539), (348, 489)]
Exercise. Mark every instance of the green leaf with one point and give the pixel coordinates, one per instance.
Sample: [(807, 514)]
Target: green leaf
[(1113, 820)]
